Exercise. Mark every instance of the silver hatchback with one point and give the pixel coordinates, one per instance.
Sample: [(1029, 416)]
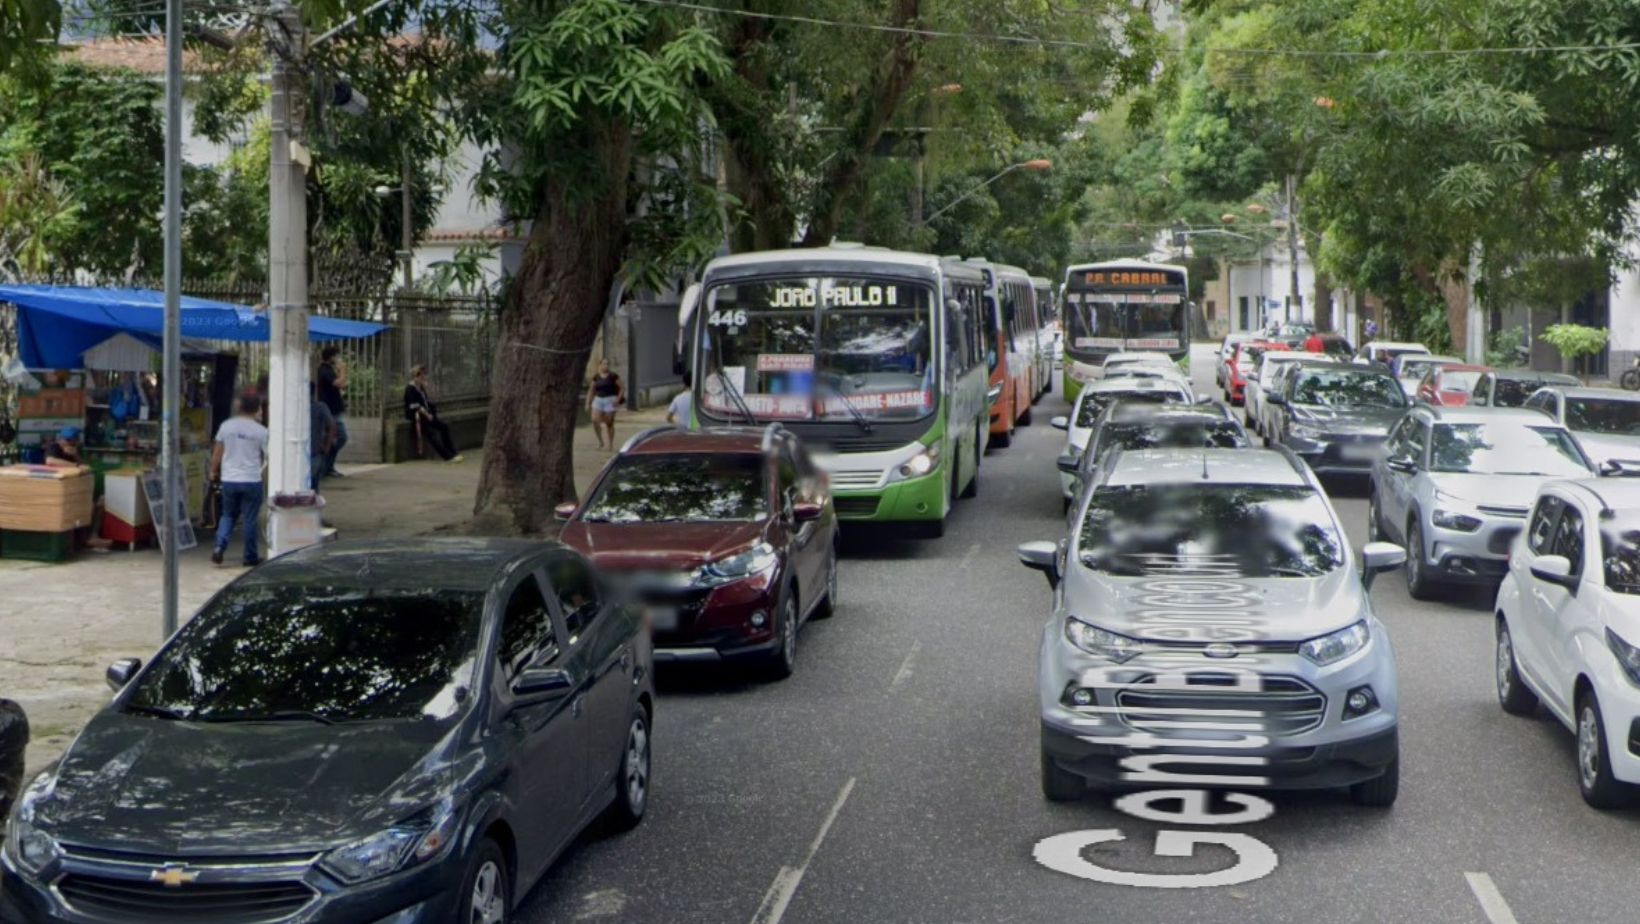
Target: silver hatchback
[(1454, 486)]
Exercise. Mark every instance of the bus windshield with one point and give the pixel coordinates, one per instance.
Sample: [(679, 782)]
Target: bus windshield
[(818, 348), (1114, 320)]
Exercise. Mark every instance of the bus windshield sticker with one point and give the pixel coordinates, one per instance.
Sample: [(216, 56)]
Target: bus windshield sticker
[(785, 362)]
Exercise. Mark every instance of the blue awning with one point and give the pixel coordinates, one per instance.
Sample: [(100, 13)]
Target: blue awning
[(56, 324)]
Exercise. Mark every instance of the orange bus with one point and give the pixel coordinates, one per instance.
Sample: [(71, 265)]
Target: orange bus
[(1013, 317)]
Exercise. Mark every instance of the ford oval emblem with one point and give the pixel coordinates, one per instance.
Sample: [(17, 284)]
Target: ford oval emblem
[(1221, 650)]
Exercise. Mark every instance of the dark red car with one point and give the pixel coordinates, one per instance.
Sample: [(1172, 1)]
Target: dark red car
[(727, 535), (1243, 361), (1450, 385)]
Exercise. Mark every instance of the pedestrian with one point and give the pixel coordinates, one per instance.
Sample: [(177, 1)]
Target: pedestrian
[(605, 395), (681, 412), (332, 391), (421, 412), (321, 435), (63, 451), (1314, 343), (1372, 329), (236, 462)]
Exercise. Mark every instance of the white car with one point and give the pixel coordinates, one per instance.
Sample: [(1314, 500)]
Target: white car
[(1383, 351), (1092, 402), (1410, 369), (1227, 350), (1265, 374), (1115, 362), (1568, 627), (1606, 422)]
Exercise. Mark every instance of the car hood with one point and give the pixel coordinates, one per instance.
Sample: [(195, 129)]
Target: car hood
[(1280, 609), (1603, 447), (1368, 420), (1492, 490), (659, 546), (150, 785)]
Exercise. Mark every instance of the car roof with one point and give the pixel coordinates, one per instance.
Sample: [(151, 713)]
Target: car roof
[(1223, 466), (1463, 367), (1586, 392), (455, 563), (672, 440), (1285, 356), (1394, 345), (1344, 365), (1621, 495), (1432, 358), (1135, 383), (1472, 414), (1532, 375), (1136, 356), (1147, 412)]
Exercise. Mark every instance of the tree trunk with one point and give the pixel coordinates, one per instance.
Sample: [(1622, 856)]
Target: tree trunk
[(545, 338), (766, 220), (1323, 303)]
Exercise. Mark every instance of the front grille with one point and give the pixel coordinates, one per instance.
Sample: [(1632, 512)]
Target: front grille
[(856, 479), (1519, 512), (1501, 538), (855, 507), (1284, 705), (114, 899), (860, 444)]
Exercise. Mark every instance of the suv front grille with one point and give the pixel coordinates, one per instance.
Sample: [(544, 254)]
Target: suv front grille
[(1519, 512), (1285, 705), (120, 900)]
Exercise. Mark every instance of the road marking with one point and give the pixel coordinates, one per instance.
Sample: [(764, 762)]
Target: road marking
[(1486, 892), (904, 673), (786, 881)]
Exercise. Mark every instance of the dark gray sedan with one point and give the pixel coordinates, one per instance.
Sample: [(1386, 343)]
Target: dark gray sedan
[(1335, 416), (407, 732)]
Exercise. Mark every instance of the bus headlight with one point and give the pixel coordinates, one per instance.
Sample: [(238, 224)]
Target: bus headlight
[(920, 464)]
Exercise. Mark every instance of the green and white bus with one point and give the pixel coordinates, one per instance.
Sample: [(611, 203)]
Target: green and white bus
[(1122, 306), (875, 358)]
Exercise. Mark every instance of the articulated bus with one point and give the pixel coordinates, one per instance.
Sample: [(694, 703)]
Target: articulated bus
[(1122, 306), (875, 358), (1016, 381)]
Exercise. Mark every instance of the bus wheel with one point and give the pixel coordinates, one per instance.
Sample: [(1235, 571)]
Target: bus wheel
[(979, 450), (1025, 418)]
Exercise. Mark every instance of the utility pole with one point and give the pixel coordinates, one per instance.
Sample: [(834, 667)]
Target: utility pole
[(288, 457), (171, 365), (1292, 242), (407, 230)]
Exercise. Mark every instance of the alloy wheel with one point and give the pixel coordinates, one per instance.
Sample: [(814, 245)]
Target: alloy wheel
[(831, 581), (1505, 663), (637, 765), (1588, 746), (488, 901), (788, 634)]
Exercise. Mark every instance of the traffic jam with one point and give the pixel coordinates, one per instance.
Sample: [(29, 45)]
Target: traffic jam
[(477, 730)]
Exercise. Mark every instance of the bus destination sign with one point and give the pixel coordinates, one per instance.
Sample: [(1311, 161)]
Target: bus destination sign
[(1128, 279)]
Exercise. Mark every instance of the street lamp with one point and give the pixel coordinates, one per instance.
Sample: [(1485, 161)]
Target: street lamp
[(1037, 165)]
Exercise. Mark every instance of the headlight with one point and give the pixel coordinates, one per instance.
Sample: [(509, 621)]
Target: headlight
[(1628, 656), (1094, 640), (415, 841), (1462, 522), (1306, 430), (992, 394), (920, 464), (30, 848), (755, 560), (1336, 646)]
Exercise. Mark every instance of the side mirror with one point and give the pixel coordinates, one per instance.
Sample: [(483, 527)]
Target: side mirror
[(1069, 463), (120, 672), (807, 511), (1554, 569), (1401, 463), (1060, 423), (1276, 398), (541, 684), (565, 510), (1378, 557), (1619, 468), (1041, 556)]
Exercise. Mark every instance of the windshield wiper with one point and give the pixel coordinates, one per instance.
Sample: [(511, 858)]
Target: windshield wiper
[(739, 400), (854, 412), (278, 715), (158, 712)]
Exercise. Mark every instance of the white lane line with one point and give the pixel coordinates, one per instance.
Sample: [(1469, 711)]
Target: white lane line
[(786, 881), (904, 673), (1486, 892)]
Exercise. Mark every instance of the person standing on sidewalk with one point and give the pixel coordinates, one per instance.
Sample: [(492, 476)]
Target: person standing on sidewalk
[(421, 412), (332, 386), (321, 435), (603, 397), (681, 412), (236, 462)]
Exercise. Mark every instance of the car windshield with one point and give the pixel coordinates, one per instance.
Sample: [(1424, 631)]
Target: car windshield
[(1620, 549), (1603, 415), (1172, 434), (687, 487), (810, 347), (1514, 392), (1254, 531), (1506, 449), (1459, 380), (1346, 388), (1415, 368), (1094, 403), (268, 652)]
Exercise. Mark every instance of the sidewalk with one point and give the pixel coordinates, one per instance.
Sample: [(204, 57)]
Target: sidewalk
[(61, 625)]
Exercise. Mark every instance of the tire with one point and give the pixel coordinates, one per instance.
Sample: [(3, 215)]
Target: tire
[(973, 485), (1002, 440), (1064, 505), (1381, 790), (1630, 380), (828, 604), (1375, 520), (1513, 695), (783, 660), (1419, 583), (1594, 770), (1058, 784), (632, 778), (486, 889), (1025, 418)]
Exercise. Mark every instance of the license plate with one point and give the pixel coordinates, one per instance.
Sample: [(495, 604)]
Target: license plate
[(1358, 453), (663, 618)]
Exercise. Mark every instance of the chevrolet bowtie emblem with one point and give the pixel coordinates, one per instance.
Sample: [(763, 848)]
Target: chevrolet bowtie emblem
[(173, 875)]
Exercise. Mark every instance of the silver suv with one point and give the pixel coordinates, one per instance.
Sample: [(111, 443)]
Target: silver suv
[(1605, 422), (1453, 486), (1197, 584)]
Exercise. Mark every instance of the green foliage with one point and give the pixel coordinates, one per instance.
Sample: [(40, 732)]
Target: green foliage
[(25, 28), (1575, 340), (1504, 351), (37, 215)]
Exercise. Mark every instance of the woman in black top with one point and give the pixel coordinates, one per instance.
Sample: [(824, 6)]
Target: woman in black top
[(419, 409), (603, 397)]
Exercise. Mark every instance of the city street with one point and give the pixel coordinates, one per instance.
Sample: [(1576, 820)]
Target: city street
[(894, 777)]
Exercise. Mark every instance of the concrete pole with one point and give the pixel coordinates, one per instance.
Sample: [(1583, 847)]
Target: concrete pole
[(1474, 325), (407, 231), (288, 416), (171, 367), (1292, 243)]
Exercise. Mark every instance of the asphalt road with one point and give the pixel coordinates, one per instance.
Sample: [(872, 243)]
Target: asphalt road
[(894, 777)]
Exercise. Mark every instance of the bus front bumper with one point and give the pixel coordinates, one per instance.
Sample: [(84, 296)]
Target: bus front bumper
[(911, 500)]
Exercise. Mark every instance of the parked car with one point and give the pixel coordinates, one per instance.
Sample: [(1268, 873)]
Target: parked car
[(1132, 425), (1294, 333), (728, 536), (1244, 365), (1118, 651), (1449, 385), (1114, 362), (1277, 383), (1453, 485), (1254, 392), (1227, 351), (1568, 628), (1410, 369), (406, 731), (1334, 346), (1384, 351), (1090, 406), (1335, 416), (1605, 421), (1511, 387)]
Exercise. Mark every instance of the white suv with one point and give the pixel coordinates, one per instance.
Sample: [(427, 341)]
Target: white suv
[(1568, 623)]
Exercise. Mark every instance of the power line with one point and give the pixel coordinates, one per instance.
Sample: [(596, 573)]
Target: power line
[(1420, 52), (878, 27)]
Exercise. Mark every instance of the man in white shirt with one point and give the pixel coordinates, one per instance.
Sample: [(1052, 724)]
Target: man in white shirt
[(682, 409), (236, 462)]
